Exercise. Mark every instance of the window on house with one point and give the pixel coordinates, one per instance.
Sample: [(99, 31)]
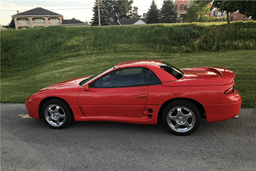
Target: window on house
[(38, 21), (23, 21), (231, 18), (54, 21), (183, 6)]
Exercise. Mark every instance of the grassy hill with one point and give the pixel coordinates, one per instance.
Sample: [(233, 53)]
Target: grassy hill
[(34, 58)]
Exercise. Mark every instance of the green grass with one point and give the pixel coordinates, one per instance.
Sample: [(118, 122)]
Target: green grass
[(34, 58), (28, 80)]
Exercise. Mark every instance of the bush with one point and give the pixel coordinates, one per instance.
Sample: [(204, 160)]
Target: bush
[(29, 46)]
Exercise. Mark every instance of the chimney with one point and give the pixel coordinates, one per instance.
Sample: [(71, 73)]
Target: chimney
[(18, 11)]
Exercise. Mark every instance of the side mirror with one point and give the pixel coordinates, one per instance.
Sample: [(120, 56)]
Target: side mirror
[(86, 87)]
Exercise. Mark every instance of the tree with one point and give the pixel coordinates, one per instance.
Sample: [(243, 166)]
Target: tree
[(134, 13), (197, 11), (104, 15), (120, 9), (153, 13), (12, 24), (168, 13), (112, 10), (245, 7)]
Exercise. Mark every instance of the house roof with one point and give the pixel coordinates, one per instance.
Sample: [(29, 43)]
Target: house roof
[(37, 11), (130, 21), (113, 23), (73, 21)]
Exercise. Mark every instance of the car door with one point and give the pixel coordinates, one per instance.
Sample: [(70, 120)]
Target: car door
[(122, 92)]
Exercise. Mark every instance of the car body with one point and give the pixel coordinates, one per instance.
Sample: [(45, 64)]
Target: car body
[(141, 92)]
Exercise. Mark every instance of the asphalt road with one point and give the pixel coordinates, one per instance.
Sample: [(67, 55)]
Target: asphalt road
[(28, 144)]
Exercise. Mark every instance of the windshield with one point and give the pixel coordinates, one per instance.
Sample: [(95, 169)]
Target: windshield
[(88, 80), (177, 73)]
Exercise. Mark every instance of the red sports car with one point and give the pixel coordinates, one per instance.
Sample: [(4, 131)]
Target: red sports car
[(141, 92)]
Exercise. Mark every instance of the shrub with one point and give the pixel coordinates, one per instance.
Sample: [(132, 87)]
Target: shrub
[(30, 46)]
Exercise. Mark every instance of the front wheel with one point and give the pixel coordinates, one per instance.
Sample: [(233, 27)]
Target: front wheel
[(56, 114), (181, 117)]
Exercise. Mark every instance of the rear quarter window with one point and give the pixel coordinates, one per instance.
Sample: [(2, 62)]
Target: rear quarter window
[(172, 70)]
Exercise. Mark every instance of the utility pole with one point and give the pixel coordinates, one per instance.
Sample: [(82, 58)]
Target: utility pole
[(99, 12)]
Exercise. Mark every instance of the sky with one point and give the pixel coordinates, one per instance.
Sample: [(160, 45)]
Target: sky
[(78, 9)]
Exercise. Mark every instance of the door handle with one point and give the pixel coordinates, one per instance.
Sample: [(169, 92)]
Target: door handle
[(142, 96)]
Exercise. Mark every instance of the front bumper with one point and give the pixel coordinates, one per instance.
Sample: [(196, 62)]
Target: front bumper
[(32, 110)]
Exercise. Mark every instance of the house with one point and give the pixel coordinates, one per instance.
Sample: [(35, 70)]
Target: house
[(40, 17), (218, 14), (235, 16), (181, 7), (73, 22), (129, 21)]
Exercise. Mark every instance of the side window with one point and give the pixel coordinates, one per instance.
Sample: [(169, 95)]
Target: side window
[(127, 77), (151, 78)]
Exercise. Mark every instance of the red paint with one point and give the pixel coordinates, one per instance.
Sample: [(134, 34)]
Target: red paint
[(126, 101), (134, 104)]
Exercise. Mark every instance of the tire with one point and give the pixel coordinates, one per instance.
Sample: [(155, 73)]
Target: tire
[(57, 114), (181, 117)]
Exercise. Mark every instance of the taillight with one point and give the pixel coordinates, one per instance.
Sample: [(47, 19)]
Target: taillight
[(230, 90)]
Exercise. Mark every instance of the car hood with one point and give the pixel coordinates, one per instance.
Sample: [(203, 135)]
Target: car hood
[(71, 83)]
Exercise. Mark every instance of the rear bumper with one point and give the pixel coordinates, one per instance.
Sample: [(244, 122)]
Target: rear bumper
[(221, 112)]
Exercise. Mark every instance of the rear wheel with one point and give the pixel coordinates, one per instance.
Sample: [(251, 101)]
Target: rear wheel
[(57, 114), (181, 117)]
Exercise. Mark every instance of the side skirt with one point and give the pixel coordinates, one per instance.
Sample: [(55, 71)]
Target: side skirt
[(149, 116)]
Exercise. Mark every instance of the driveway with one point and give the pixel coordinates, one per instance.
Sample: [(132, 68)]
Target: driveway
[(28, 144)]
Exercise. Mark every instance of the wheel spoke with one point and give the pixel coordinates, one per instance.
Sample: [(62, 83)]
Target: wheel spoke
[(177, 126), (57, 109), (179, 112), (50, 110), (61, 116), (57, 122), (187, 116), (49, 118), (187, 125), (174, 118)]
